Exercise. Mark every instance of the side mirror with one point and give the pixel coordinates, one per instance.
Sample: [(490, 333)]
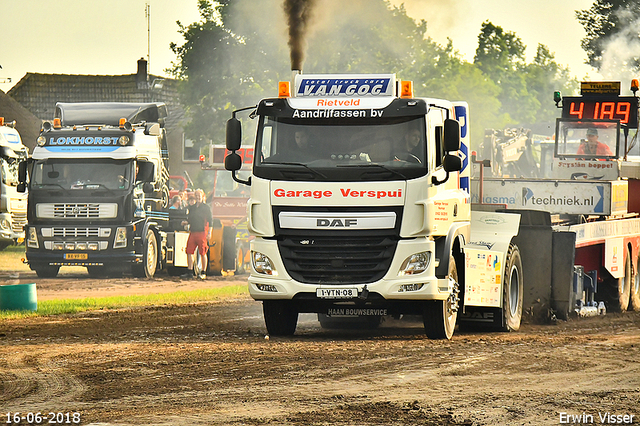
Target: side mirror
[(234, 134), (451, 135), (233, 162), (22, 172), (147, 188), (146, 171), (452, 163)]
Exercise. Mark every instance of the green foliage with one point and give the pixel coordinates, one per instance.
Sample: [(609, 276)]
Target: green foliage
[(237, 52)]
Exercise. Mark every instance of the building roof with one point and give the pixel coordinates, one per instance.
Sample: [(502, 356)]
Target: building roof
[(27, 124), (39, 93)]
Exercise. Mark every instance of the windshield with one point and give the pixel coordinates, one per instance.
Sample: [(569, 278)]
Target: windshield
[(391, 149), (587, 139), (80, 174)]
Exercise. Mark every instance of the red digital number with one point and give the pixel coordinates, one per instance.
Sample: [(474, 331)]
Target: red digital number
[(579, 112), (624, 111)]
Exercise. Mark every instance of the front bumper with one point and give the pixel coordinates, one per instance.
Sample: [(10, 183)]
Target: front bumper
[(391, 288)]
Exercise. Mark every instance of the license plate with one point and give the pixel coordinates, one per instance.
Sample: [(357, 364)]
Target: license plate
[(75, 256), (337, 293)]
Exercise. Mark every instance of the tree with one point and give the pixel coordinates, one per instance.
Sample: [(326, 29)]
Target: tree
[(612, 41)]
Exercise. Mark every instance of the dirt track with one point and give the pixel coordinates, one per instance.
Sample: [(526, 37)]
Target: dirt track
[(210, 364)]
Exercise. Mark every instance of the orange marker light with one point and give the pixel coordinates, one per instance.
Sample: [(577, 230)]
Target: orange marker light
[(201, 158), (284, 90), (406, 89), (634, 85), (121, 122), (1, 121), (57, 124)]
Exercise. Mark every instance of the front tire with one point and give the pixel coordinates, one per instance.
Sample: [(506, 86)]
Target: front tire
[(149, 258), (439, 316), (279, 317), (47, 271)]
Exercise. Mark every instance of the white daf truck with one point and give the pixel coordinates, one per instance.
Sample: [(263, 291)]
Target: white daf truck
[(13, 204), (360, 206)]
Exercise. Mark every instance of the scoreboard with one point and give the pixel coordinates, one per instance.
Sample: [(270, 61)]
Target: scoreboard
[(623, 108)]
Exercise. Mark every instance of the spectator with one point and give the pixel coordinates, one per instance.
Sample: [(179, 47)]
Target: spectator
[(176, 202), (200, 222)]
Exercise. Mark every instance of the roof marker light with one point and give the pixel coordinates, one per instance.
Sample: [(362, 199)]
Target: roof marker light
[(406, 89), (57, 124), (284, 90), (634, 85), (1, 121)]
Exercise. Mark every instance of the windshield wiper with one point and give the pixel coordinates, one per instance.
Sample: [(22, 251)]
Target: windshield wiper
[(388, 169), (306, 167), (52, 184)]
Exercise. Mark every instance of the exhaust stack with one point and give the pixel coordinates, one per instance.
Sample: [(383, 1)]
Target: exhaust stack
[(294, 73)]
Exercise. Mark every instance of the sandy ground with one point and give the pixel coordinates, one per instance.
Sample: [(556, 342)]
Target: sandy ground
[(211, 364)]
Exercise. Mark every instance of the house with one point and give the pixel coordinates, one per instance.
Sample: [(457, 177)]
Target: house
[(38, 93)]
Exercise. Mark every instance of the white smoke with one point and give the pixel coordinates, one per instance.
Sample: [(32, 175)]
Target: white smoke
[(622, 50)]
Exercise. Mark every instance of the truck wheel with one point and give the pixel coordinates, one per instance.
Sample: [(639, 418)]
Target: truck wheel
[(229, 248), (513, 289), (3, 246), (279, 317), (149, 258), (617, 291), (47, 271), (439, 316), (634, 298)]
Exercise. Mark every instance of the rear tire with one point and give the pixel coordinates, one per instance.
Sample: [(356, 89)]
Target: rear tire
[(634, 297), (439, 316), (617, 291), (513, 289), (279, 317)]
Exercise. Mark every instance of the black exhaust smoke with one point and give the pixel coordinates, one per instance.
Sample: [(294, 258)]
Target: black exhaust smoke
[(299, 15)]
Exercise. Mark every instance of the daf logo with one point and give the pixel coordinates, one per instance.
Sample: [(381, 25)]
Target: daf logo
[(336, 223), (75, 210)]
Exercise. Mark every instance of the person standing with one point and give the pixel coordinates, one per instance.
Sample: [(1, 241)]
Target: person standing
[(200, 222)]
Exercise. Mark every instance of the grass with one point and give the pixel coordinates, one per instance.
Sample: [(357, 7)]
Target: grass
[(12, 259), (69, 306)]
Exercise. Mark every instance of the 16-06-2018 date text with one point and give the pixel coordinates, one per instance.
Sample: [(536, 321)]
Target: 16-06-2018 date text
[(42, 418)]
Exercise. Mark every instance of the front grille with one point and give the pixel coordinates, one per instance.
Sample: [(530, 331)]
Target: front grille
[(76, 210), (76, 232), (337, 260), (18, 221)]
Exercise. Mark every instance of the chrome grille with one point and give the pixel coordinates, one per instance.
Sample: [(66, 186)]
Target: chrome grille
[(76, 232), (18, 221), (77, 210)]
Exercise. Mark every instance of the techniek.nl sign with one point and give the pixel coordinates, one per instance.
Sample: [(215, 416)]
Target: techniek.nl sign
[(566, 198)]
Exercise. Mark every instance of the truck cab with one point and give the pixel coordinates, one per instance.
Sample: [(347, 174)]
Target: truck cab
[(359, 201), (97, 189)]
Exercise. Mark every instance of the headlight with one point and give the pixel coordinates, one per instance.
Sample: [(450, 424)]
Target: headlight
[(123, 140), (262, 264), (5, 224), (415, 264), (32, 239), (121, 238), (41, 140)]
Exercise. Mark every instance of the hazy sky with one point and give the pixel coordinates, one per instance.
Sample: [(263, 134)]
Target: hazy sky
[(108, 37)]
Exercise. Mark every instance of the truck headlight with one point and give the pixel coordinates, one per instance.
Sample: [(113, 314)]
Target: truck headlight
[(262, 264), (32, 238), (415, 264), (5, 224), (121, 238)]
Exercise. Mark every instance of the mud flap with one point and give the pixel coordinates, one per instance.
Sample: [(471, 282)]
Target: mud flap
[(491, 234)]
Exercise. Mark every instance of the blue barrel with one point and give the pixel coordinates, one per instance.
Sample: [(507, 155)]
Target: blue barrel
[(18, 297)]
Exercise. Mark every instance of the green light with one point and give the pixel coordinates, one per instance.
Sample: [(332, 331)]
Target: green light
[(557, 96)]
